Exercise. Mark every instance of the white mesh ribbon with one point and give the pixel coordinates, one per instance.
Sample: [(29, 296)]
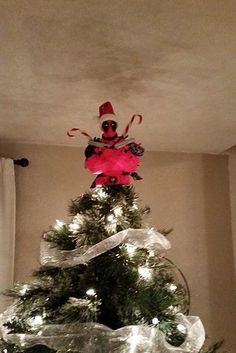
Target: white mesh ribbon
[(96, 338), (140, 238)]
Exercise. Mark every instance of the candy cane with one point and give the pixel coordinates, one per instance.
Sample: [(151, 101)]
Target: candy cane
[(131, 122), (70, 132)]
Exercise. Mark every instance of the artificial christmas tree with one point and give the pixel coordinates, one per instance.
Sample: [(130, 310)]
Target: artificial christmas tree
[(104, 284)]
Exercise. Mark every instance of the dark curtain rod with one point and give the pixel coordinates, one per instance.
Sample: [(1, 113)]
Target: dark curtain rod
[(23, 162)]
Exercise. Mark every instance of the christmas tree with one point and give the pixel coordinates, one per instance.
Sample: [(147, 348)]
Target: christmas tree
[(104, 284)]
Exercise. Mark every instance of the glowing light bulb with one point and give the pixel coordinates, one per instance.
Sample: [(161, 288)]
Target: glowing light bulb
[(35, 321), (110, 218), (172, 287), (135, 207), (24, 289), (130, 249), (111, 224), (173, 309), (79, 218), (151, 253), (74, 227), (181, 328), (91, 292), (118, 211), (59, 224), (155, 321), (145, 272), (99, 193)]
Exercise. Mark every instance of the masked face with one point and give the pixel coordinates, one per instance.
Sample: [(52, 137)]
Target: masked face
[(109, 127)]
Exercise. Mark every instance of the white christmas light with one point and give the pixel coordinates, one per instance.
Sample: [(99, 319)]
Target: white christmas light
[(151, 253), (145, 272), (76, 223), (91, 292), (79, 218), (24, 289), (173, 309), (155, 321), (73, 227), (135, 207), (118, 211), (59, 224), (181, 328), (172, 287), (100, 194), (130, 249), (35, 321), (111, 224), (110, 218)]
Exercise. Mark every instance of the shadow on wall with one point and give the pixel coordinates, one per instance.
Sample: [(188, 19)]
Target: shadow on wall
[(219, 251)]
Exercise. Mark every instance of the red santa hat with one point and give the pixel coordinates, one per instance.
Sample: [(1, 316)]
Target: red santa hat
[(106, 112)]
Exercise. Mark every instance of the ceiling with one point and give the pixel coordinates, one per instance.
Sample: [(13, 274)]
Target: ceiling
[(171, 61)]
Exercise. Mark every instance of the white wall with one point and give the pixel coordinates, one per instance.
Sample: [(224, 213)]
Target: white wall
[(232, 178)]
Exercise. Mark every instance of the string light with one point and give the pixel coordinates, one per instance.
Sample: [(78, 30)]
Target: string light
[(76, 223), (118, 211), (130, 249), (91, 292), (110, 218), (172, 287), (155, 321), (100, 194), (173, 309), (59, 224), (35, 321), (74, 227), (24, 289), (151, 253), (145, 272), (111, 225), (79, 218)]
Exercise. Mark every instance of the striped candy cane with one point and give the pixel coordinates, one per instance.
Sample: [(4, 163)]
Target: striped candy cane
[(131, 122), (71, 133)]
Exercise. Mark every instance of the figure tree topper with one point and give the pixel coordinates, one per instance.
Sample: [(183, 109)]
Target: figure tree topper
[(112, 158)]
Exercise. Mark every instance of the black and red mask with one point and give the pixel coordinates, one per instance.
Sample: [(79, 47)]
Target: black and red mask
[(109, 128)]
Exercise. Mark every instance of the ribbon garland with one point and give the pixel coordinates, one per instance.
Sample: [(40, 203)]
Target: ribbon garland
[(140, 238), (93, 337)]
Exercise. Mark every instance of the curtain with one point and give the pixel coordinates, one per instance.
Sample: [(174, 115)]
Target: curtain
[(7, 227)]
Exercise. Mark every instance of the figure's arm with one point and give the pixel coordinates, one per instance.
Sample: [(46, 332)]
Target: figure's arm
[(91, 149), (136, 149)]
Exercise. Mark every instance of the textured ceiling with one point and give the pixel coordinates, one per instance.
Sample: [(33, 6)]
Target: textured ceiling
[(172, 61)]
